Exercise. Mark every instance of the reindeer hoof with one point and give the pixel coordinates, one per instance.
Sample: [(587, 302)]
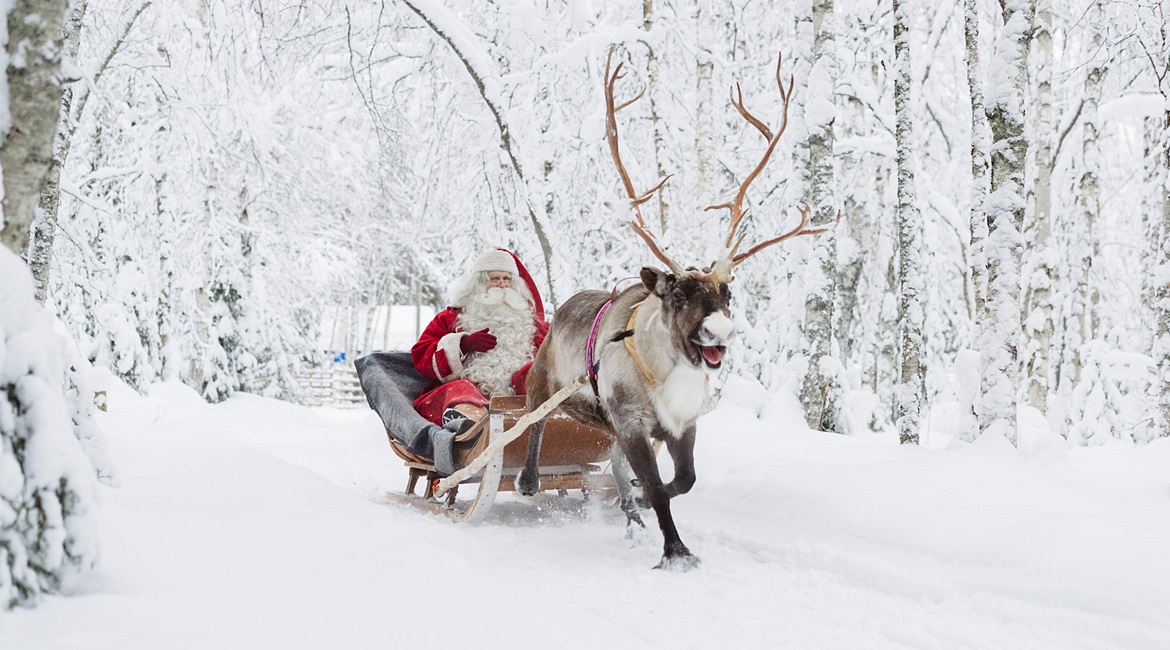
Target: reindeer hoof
[(632, 517), (682, 562), (635, 529), (527, 484)]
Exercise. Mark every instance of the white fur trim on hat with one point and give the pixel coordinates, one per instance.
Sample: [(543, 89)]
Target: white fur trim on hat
[(495, 260)]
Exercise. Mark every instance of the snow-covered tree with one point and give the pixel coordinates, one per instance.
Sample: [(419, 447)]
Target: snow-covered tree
[(1160, 259), (1004, 211), (980, 151), (1040, 265), (1082, 225), (822, 391), (48, 507), (910, 387)]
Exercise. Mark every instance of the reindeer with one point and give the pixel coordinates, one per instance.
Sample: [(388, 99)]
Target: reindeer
[(650, 348)]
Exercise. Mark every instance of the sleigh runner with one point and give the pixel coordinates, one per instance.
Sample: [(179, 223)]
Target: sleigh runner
[(571, 455)]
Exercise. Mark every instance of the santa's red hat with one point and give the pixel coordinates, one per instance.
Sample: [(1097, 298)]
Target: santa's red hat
[(518, 269)]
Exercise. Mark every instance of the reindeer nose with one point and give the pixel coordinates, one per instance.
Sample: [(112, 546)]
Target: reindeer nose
[(707, 333)]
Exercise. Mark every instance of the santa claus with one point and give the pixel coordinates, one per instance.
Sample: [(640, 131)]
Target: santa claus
[(482, 344)]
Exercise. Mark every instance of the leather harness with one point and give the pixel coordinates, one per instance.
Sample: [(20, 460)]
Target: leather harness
[(592, 363)]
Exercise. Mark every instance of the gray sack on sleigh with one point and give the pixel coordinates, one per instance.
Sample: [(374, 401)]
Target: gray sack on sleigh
[(391, 384)]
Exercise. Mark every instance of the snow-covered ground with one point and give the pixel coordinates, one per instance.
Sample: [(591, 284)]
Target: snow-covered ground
[(260, 524)]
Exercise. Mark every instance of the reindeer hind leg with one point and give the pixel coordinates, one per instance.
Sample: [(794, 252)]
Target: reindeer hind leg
[(528, 481), (538, 392), (630, 495)]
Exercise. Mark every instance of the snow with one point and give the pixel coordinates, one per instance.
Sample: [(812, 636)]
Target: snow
[(48, 514), (1126, 106), (257, 523)]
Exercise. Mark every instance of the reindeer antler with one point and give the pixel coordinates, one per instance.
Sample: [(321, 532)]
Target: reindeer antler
[(636, 199), (721, 273)]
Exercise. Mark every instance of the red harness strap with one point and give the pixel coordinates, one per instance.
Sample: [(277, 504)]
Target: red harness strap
[(592, 363)]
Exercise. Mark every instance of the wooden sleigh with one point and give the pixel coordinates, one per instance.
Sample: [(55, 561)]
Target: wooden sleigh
[(571, 455)]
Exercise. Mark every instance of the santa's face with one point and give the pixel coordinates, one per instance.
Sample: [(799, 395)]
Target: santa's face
[(501, 279)]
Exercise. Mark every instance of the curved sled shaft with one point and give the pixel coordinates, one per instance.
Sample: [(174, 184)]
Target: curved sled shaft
[(495, 449), (489, 483)]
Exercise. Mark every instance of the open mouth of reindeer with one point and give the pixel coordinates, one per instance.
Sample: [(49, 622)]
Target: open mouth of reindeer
[(712, 354)]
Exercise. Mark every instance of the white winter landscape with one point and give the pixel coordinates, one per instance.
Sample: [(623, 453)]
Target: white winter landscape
[(930, 303), (260, 524)]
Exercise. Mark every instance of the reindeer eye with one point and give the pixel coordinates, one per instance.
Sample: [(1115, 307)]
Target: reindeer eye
[(679, 296)]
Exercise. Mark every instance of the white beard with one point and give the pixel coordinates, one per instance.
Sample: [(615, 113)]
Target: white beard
[(509, 317)]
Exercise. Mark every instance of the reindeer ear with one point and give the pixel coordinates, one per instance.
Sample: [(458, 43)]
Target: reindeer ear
[(655, 280)]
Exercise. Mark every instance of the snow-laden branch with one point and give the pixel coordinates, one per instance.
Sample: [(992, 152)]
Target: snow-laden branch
[(580, 49), (91, 84), (481, 68)]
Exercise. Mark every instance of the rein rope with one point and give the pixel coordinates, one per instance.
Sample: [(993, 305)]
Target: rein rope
[(495, 448)]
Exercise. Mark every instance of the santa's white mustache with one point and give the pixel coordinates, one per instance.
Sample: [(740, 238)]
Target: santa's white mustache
[(503, 295)]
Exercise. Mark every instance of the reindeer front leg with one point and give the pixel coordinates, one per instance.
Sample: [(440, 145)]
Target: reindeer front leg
[(675, 554), (682, 452)]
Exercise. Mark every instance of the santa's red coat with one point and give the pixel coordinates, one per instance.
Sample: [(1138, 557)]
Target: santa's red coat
[(438, 357)]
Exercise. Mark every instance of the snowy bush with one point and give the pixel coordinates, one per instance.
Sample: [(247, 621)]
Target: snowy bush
[(1110, 398), (48, 533)]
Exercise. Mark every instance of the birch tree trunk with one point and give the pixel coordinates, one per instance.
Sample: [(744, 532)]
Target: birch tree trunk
[(1005, 207), (34, 61), (821, 391), (199, 375), (1160, 350), (655, 117), (1152, 132), (908, 397), (707, 103), (1039, 328), (1082, 231), (980, 143), (45, 225)]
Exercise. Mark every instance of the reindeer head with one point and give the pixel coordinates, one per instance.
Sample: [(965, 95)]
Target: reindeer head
[(695, 312)]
